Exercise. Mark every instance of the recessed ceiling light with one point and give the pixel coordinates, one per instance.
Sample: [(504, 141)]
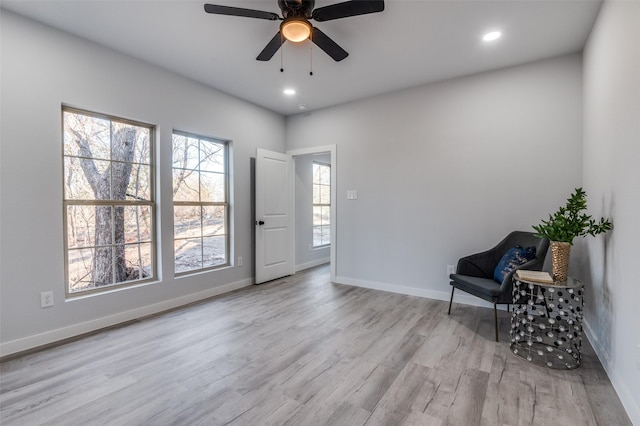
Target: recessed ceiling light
[(493, 35), (302, 107), (289, 92)]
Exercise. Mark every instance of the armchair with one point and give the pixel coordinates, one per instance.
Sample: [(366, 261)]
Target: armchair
[(474, 273)]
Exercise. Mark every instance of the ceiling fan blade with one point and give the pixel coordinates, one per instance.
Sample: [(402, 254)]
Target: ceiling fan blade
[(271, 48), (329, 46), (347, 8), (238, 11)]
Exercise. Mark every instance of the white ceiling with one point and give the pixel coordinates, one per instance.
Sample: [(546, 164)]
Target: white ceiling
[(411, 43)]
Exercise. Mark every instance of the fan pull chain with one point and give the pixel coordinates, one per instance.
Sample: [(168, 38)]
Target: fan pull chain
[(281, 53), (310, 57)]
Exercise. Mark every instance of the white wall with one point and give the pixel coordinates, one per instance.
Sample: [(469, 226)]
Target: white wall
[(43, 68), (612, 181), (306, 255), (448, 169)]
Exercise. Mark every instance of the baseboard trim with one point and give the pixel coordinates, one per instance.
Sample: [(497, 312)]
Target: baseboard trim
[(458, 297), (51, 337), (626, 397), (312, 264)]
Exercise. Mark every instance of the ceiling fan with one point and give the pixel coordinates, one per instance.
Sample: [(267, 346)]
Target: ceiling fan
[(295, 26)]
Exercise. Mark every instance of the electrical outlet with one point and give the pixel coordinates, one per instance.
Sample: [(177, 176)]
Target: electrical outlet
[(240, 261), (46, 299), (451, 269)]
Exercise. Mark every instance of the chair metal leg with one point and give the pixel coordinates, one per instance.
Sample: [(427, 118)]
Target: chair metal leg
[(451, 301), (495, 317)]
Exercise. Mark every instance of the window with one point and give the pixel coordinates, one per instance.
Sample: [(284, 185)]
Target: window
[(108, 201), (200, 203), (321, 204)]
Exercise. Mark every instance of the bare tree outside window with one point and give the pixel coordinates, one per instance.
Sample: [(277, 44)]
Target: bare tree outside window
[(200, 203), (108, 197)]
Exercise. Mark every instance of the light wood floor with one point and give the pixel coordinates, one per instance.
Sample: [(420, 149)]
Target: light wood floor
[(303, 351)]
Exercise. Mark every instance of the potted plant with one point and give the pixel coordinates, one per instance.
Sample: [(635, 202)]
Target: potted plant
[(566, 224)]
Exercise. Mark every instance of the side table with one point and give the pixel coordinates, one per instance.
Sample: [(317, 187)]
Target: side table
[(546, 325)]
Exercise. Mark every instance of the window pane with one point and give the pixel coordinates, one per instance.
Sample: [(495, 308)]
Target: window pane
[(213, 220), (81, 226), (317, 236), (186, 185), (212, 187), (321, 215), (77, 173), (188, 254), (142, 152), (139, 183), (317, 215), (214, 251), (326, 215), (326, 234), (76, 184), (137, 220), (86, 136), (325, 175), (316, 194), (129, 142), (325, 194), (80, 266), (104, 225), (185, 152), (121, 173), (137, 261), (102, 271), (187, 221), (212, 156)]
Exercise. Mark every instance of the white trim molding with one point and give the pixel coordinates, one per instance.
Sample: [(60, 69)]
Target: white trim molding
[(312, 264), (52, 336)]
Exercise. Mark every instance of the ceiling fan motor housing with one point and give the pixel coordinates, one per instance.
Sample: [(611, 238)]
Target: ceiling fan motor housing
[(296, 8)]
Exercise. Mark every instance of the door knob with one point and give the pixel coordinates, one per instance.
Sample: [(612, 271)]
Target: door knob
[(260, 222)]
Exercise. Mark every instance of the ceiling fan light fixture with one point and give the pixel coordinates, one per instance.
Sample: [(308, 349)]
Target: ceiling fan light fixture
[(296, 29)]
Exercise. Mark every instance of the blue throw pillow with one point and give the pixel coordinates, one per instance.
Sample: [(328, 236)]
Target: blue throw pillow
[(513, 258)]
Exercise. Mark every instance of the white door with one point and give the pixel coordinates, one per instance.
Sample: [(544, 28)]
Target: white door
[(274, 213)]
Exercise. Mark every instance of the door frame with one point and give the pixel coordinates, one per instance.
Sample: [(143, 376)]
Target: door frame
[(332, 150)]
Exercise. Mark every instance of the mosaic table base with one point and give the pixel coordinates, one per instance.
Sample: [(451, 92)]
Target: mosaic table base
[(546, 325)]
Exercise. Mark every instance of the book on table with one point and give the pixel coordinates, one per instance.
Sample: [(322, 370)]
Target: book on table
[(534, 276)]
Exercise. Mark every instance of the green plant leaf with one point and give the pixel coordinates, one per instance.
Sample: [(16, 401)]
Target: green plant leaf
[(570, 221)]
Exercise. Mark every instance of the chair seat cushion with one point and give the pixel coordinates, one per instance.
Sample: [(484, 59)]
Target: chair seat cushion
[(484, 288)]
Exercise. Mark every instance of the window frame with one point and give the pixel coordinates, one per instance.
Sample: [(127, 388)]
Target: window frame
[(226, 203), (151, 204), (313, 205)]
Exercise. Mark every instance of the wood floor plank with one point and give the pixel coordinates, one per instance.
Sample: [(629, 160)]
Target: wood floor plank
[(303, 351)]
